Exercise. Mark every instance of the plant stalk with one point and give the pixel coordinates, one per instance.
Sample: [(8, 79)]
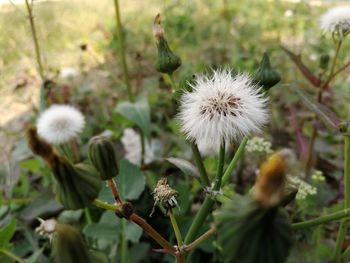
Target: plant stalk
[(176, 228), (122, 50), (199, 162), (199, 240), (123, 243)]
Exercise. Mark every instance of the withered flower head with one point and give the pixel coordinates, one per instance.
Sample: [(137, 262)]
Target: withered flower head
[(164, 195)]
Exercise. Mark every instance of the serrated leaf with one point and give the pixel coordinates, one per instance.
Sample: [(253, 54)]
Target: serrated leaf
[(138, 112), (133, 232), (7, 233), (185, 166), (130, 180)]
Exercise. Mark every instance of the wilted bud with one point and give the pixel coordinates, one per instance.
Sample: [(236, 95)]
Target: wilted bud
[(47, 228), (266, 76), (77, 185), (270, 185), (69, 246), (164, 195), (40, 147), (324, 61), (103, 157), (167, 61)]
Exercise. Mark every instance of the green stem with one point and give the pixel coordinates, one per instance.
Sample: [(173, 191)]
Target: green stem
[(176, 228), (172, 81), (234, 161), (123, 243), (199, 162), (106, 206), (208, 201), (143, 147), (122, 50), (16, 201), (87, 215), (201, 239), (35, 39), (322, 219), (343, 225), (11, 255)]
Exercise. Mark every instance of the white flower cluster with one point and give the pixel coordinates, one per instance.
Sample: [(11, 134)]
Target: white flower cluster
[(336, 20), (318, 176), (304, 189), (258, 144)]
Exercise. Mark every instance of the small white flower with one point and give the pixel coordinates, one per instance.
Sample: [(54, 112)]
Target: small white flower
[(336, 20), (47, 228), (221, 108), (259, 145), (60, 123), (318, 176), (304, 189)]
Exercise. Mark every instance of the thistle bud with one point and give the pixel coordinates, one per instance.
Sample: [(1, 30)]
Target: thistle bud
[(270, 185), (77, 185), (103, 157), (266, 76), (167, 61), (69, 246)]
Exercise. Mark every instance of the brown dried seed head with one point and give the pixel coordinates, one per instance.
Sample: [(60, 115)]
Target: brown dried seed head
[(164, 194), (270, 184), (158, 30)]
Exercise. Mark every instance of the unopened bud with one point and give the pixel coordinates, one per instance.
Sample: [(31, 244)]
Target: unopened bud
[(77, 185), (266, 76), (167, 61), (324, 61), (270, 185), (103, 157)]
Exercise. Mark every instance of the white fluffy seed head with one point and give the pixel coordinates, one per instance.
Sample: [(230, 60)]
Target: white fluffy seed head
[(336, 20), (60, 123), (222, 107)]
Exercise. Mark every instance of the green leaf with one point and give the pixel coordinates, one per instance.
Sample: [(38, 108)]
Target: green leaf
[(139, 252), (102, 231), (32, 165), (185, 166), (138, 112), (35, 256), (7, 233), (130, 180), (133, 232)]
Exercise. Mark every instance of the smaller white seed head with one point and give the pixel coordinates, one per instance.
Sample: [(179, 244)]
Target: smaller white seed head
[(60, 123), (336, 20)]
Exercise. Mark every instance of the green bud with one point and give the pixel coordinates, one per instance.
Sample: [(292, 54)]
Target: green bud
[(266, 76), (77, 185), (103, 157), (167, 61), (69, 246), (324, 61)]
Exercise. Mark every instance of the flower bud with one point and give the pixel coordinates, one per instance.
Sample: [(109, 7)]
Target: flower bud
[(69, 246), (324, 61), (77, 185), (270, 185), (266, 76), (103, 157), (167, 61)]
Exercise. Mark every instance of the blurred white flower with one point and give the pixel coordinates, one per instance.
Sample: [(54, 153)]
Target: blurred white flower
[(60, 123), (288, 13), (132, 145), (304, 189), (258, 144), (47, 228), (318, 176), (68, 73), (221, 108), (336, 20)]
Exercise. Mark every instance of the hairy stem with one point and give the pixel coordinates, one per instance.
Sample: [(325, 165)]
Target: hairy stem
[(122, 50), (35, 39), (113, 186), (199, 162), (234, 161)]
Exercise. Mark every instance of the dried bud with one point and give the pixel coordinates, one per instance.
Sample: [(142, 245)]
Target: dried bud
[(270, 184), (167, 61), (103, 157), (266, 76), (40, 147), (77, 185), (47, 228), (164, 195), (69, 246)]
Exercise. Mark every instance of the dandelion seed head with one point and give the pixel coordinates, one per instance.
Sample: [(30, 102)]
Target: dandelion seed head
[(336, 20), (222, 107), (60, 123)]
